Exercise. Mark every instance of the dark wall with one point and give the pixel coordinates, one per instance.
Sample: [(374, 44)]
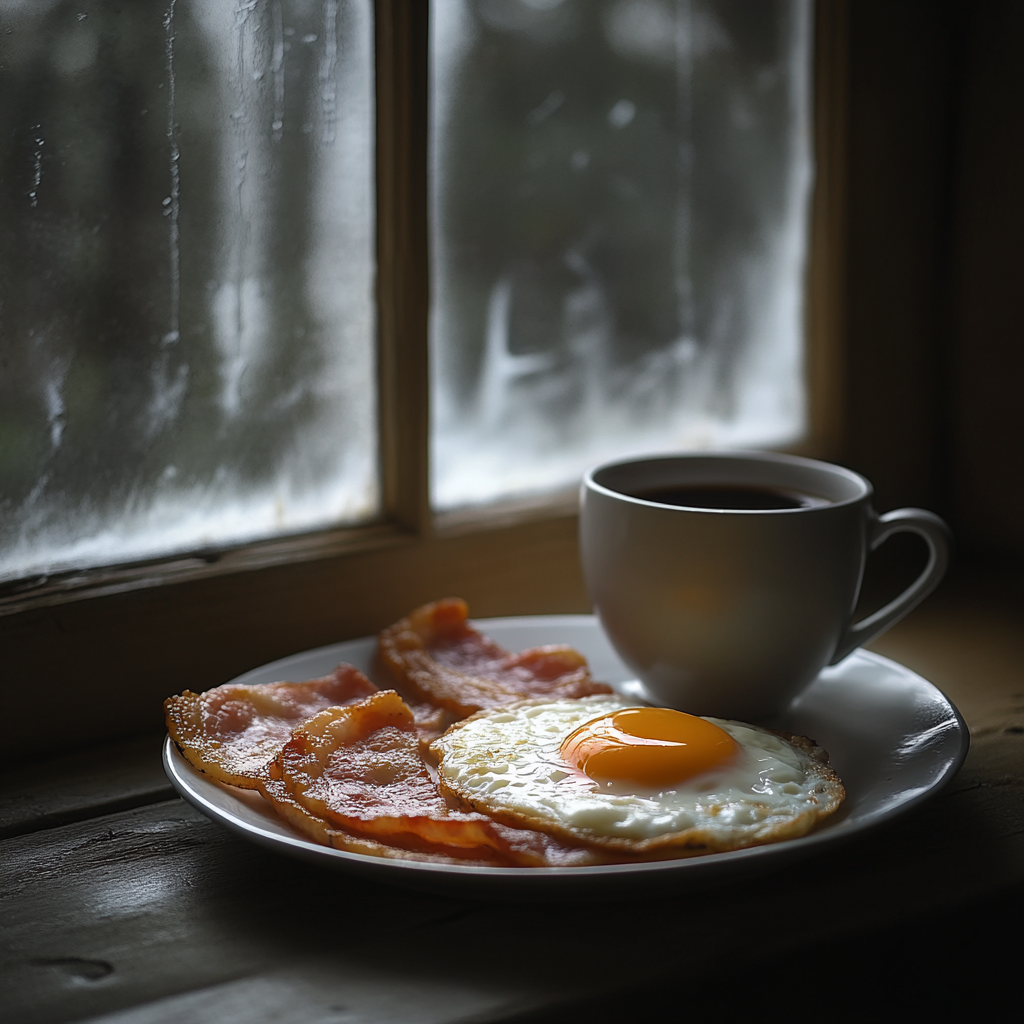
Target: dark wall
[(934, 326)]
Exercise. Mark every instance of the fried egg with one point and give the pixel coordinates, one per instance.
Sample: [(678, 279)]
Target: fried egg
[(601, 771)]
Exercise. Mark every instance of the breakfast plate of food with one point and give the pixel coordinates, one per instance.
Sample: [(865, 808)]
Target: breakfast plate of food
[(519, 756)]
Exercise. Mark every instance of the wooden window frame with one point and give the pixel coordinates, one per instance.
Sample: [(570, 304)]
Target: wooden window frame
[(106, 645)]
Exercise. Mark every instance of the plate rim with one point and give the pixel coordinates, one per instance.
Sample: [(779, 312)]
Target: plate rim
[(420, 874)]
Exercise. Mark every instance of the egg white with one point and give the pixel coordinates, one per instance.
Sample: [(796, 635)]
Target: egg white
[(506, 763)]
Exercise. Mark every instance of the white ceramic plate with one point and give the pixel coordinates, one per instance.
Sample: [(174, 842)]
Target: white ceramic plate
[(893, 738)]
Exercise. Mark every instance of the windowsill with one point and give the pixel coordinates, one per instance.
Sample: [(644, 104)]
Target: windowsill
[(75, 584), (47, 589)]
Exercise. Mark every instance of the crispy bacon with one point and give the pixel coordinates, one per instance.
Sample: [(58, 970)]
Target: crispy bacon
[(441, 659), (276, 793), (233, 732), (359, 769)]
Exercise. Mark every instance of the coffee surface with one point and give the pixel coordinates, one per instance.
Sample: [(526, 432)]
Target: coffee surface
[(745, 499)]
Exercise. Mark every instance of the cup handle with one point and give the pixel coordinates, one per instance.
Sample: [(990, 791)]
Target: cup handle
[(880, 529)]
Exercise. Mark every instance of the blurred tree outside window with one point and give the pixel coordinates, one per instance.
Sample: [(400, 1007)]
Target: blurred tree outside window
[(187, 318), (621, 202)]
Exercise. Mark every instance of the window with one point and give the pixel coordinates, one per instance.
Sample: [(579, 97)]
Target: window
[(211, 610), (186, 277), (620, 212)]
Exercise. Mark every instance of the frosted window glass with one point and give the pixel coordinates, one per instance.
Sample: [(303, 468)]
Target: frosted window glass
[(187, 319), (620, 207)]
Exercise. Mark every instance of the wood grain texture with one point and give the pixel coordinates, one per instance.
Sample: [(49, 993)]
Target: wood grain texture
[(93, 781), (161, 915)]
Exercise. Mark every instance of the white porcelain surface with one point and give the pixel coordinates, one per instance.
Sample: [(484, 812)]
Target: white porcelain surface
[(732, 612), (893, 738)]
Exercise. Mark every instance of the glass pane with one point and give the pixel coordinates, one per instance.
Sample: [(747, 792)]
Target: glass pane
[(621, 219), (186, 275)]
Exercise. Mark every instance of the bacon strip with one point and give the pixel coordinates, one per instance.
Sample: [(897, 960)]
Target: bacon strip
[(440, 658), (276, 793), (233, 732), (358, 769)]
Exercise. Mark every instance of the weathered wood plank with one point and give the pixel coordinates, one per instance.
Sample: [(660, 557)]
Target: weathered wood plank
[(160, 906), (158, 915), (98, 780)]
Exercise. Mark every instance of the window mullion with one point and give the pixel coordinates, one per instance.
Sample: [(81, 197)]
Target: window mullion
[(825, 316), (402, 252)]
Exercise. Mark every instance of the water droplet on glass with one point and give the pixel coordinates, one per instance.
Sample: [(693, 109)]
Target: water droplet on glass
[(622, 114)]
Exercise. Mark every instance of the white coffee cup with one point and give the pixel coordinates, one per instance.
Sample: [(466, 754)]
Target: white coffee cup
[(733, 611)]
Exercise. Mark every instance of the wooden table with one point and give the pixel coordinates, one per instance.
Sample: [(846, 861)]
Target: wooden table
[(122, 903)]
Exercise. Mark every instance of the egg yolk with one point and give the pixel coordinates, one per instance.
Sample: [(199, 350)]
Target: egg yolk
[(648, 746)]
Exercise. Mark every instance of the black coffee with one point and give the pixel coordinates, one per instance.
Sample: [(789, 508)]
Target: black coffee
[(744, 499)]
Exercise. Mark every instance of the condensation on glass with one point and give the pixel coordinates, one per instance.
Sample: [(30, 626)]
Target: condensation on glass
[(620, 203), (187, 321)]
